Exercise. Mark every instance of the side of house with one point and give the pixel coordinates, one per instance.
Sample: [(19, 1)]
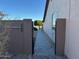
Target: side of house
[(68, 9), (48, 20)]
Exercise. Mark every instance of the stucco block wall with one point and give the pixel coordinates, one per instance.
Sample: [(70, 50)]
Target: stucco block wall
[(68, 9)]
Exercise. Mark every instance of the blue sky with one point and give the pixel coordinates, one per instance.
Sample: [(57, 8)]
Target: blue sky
[(33, 9)]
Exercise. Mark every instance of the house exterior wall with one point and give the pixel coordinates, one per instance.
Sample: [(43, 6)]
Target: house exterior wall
[(68, 9), (73, 40), (47, 26)]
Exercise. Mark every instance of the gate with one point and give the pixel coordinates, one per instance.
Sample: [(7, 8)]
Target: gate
[(17, 39), (20, 37)]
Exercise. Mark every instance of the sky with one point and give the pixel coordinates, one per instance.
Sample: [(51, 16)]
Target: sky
[(18, 9)]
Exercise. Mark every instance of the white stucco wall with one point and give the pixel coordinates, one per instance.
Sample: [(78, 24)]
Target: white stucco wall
[(68, 9), (73, 38), (47, 26)]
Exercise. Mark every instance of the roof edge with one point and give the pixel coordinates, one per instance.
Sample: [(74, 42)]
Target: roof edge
[(46, 8)]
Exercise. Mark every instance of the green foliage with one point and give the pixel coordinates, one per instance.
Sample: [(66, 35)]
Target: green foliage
[(38, 23), (35, 23)]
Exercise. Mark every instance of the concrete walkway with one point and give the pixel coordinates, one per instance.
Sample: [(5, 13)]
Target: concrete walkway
[(42, 45), (44, 49)]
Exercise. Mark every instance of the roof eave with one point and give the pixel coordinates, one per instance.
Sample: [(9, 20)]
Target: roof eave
[(46, 8)]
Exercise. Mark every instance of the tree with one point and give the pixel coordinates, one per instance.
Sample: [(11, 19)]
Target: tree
[(38, 23)]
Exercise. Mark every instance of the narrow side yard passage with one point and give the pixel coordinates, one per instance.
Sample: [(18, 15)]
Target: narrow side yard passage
[(44, 49), (42, 45)]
